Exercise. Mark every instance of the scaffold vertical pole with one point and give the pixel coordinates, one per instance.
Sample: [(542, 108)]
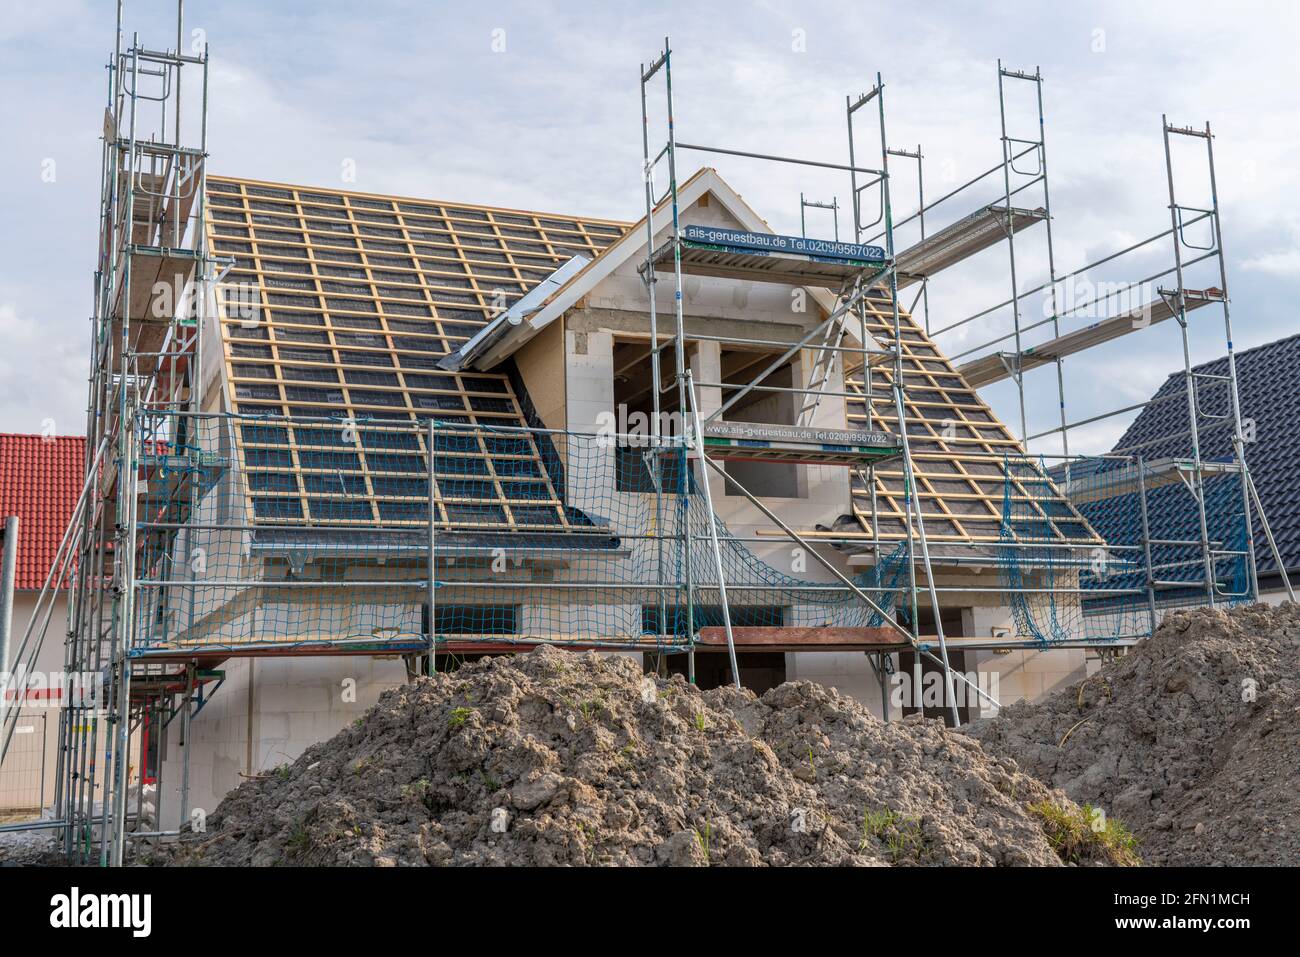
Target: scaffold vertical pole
[(908, 468), (120, 726), (1017, 364), (1189, 381), (1037, 79), (697, 441), (1238, 433), (1146, 543), (923, 296), (431, 663), (685, 396), (656, 463)]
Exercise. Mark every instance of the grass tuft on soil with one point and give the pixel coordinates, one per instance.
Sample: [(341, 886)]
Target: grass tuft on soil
[(1084, 835)]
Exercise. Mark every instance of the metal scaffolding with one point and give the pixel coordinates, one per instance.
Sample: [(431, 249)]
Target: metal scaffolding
[(1125, 473), (151, 284), (856, 284), (162, 468), (985, 363)]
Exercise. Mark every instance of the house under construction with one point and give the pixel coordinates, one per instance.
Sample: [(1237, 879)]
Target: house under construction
[(338, 439)]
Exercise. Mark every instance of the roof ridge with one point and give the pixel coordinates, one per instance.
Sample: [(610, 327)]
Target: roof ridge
[(42, 437), (276, 184), (1245, 352)]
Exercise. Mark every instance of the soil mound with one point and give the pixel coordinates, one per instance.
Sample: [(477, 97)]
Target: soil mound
[(1192, 739), (554, 758)]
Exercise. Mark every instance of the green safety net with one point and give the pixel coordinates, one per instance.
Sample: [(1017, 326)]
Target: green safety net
[(308, 531)]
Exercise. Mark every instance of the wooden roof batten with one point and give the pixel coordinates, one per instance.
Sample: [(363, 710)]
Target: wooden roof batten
[(358, 296)]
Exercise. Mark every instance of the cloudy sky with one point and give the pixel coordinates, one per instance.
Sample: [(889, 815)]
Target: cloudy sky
[(536, 105)]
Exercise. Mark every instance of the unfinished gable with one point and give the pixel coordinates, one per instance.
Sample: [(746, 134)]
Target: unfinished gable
[(707, 202), (969, 467)]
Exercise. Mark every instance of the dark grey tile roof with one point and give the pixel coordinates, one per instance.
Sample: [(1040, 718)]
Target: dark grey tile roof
[(1269, 385)]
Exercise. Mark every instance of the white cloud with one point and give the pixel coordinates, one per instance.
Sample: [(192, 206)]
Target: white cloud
[(42, 377), (1284, 264)]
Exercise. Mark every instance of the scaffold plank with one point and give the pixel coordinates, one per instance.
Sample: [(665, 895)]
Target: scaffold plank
[(966, 237), (998, 366)]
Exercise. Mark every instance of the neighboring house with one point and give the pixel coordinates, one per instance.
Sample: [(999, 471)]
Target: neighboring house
[(40, 481), (1270, 409)]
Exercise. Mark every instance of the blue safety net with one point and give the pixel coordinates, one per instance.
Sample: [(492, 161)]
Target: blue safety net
[(1098, 591), (299, 532)]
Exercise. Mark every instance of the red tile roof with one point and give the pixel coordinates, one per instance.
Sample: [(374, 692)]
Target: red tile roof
[(40, 480)]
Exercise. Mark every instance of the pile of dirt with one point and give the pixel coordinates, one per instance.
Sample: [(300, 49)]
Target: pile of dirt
[(31, 849), (1192, 739), (556, 758)]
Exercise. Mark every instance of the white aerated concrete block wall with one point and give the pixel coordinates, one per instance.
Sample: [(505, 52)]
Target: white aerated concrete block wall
[(848, 672), (295, 702), (1021, 675)]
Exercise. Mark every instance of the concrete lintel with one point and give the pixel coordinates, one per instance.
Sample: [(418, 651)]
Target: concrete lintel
[(635, 321)]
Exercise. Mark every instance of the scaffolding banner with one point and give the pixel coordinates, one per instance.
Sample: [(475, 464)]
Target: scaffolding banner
[(822, 249)]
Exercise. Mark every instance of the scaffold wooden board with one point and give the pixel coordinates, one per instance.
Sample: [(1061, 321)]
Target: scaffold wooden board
[(963, 239), (763, 257), (799, 444), (997, 366)]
